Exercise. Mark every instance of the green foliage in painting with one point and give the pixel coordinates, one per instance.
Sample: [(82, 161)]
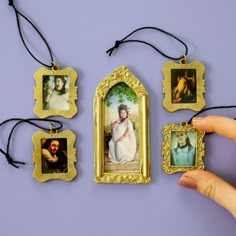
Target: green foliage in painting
[(122, 91)]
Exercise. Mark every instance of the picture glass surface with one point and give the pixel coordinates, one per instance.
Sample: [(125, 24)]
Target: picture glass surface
[(183, 86), (56, 92), (54, 155), (121, 144), (183, 148)]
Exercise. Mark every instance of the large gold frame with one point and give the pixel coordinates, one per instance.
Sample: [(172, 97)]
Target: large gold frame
[(37, 156), (38, 96), (121, 74), (166, 69), (166, 148)]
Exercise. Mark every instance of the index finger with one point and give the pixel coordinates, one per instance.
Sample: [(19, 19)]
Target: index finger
[(221, 125)]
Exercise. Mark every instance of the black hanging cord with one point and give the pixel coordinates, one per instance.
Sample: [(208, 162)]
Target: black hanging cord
[(11, 3), (10, 160), (210, 108), (119, 42), (31, 121)]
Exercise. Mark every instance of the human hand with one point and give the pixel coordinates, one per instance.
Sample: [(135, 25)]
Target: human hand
[(205, 182), (49, 91), (121, 139)]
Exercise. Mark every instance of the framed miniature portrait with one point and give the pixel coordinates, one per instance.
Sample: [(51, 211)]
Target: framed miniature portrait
[(121, 130), (182, 148), (55, 92), (54, 156), (185, 78), (183, 86)]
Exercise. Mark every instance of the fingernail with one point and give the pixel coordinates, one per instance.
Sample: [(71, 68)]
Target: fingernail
[(197, 119), (188, 182)]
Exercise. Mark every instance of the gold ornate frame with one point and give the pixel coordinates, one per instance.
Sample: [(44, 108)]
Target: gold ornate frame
[(166, 148), (121, 74), (38, 96), (37, 156), (167, 103)]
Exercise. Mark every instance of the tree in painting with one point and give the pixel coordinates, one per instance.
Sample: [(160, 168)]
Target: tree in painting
[(123, 92)]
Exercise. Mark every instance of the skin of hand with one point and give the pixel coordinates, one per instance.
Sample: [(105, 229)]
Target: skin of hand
[(115, 123), (47, 155), (126, 132), (49, 93), (208, 183)]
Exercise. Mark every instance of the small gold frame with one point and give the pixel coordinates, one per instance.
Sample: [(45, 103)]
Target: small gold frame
[(43, 76), (64, 170), (142, 175), (183, 85), (195, 148)]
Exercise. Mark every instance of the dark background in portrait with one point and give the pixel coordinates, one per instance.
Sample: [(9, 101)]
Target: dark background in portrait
[(79, 33), (61, 154), (175, 73)]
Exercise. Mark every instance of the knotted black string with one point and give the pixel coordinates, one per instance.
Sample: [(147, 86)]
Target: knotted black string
[(10, 160), (11, 3), (30, 121), (210, 108), (119, 42)]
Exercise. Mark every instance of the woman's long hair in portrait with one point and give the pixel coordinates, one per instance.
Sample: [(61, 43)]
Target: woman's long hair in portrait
[(64, 80)]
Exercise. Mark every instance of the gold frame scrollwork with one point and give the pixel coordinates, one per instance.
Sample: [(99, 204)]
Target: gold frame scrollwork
[(121, 74), (71, 156), (72, 90), (167, 90), (166, 148)]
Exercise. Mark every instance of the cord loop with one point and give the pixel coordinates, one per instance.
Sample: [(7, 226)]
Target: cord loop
[(31, 121), (18, 13), (119, 42)]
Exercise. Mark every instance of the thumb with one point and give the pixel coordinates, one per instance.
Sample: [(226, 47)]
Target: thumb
[(211, 186)]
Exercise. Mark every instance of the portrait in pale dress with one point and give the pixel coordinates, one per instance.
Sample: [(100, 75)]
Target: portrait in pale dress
[(55, 92), (121, 129)]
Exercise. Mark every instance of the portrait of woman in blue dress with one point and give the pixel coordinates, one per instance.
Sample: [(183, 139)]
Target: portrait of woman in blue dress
[(183, 152)]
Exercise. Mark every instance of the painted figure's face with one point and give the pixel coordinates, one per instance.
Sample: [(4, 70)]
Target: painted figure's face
[(181, 138), (123, 114), (58, 84), (53, 148)]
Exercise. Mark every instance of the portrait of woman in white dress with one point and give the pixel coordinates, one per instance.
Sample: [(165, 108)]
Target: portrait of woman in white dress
[(55, 93), (122, 146)]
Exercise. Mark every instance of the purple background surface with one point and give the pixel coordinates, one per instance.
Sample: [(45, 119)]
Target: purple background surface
[(79, 33)]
